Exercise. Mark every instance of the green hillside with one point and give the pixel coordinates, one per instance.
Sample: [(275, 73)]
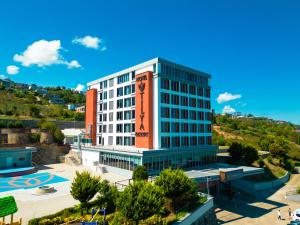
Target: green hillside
[(261, 133), (20, 102)]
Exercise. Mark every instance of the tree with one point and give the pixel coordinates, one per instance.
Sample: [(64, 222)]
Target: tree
[(84, 187), (250, 154), (58, 136), (34, 111), (236, 151), (140, 173), (175, 184), (276, 151), (108, 196), (139, 201)]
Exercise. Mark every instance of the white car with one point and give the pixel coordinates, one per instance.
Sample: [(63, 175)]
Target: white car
[(296, 215)]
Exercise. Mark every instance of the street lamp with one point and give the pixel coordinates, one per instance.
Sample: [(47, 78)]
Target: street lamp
[(207, 184)]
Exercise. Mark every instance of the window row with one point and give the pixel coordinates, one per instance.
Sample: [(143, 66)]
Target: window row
[(184, 114), (126, 115), (120, 128), (184, 101), (182, 74), (125, 141), (184, 88), (177, 127), (127, 90), (193, 141)]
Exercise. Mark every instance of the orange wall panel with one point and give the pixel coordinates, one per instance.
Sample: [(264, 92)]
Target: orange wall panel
[(90, 114), (143, 111)]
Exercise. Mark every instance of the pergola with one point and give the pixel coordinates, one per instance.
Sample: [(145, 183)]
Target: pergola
[(8, 207)]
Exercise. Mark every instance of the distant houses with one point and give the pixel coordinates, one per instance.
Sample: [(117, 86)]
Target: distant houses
[(79, 109)]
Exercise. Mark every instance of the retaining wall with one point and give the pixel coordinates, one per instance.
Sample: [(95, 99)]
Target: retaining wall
[(204, 215), (251, 187)]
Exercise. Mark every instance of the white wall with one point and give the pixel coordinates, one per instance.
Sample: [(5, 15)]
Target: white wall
[(89, 157)]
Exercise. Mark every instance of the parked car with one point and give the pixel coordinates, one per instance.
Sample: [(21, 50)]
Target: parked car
[(296, 215)]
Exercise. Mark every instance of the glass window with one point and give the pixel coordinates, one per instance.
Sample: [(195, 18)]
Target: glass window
[(119, 128), (132, 114), (110, 128), (133, 88), (104, 129), (207, 93), (120, 91), (184, 141), (165, 127), (165, 142), (184, 101), (175, 141), (104, 117), (111, 82), (133, 101), (110, 140), (105, 106), (111, 116), (174, 85), (192, 102), (165, 84), (119, 103), (105, 95), (175, 127), (184, 127), (127, 127), (119, 141), (127, 115), (175, 99), (119, 115), (193, 128), (165, 98), (199, 91), (105, 84), (111, 105), (132, 75), (123, 78), (192, 89), (127, 102), (175, 113), (165, 112), (127, 141), (184, 87), (127, 90), (192, 115), (184, 114), (193, 141)]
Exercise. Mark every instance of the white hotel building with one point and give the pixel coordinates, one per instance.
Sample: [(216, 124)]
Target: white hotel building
[(156, 114)]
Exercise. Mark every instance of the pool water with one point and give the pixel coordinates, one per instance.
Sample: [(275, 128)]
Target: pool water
[(29, 181)]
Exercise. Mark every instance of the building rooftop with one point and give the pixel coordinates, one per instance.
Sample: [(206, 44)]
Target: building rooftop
[(145, 64)]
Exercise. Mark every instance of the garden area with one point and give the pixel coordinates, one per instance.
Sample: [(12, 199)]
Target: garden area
[(164, 201)]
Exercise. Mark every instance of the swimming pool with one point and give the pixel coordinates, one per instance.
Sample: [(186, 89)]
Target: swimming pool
[(29, 181)]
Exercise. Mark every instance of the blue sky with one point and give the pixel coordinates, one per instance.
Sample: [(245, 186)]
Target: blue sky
[(251, 48)]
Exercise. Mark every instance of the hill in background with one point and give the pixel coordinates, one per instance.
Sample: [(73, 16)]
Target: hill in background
[(23, 101)]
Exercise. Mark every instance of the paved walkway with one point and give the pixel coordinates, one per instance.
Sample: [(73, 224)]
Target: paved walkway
[(32, 206), (262, 211)]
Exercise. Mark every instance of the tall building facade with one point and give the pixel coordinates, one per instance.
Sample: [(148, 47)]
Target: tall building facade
[(157, 114)]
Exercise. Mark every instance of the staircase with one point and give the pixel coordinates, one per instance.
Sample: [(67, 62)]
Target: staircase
[(73, 159)]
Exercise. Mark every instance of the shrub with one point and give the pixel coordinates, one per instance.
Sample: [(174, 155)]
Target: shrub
[(18, 124), (236, 151), (176, 186), (84, 187), (107, 197), (298, 190), (58, 136), (140, 173), (289, 165), (139, 201), (10, 124), (250, 154), (35, 138), (260, 162), (2, 124)]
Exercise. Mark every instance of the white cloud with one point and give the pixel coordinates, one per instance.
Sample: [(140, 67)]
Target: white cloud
[(80, 87), (228, 110), (226, 97), (73, 64), (12, 69), (89, 42), (44, 53), (3, 77)]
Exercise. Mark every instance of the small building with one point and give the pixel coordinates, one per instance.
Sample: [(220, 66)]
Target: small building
[(71, 107), (16, 157), (80, 109), (71, 135)]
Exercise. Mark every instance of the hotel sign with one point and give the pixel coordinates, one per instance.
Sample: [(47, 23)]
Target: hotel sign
[(143, 110)]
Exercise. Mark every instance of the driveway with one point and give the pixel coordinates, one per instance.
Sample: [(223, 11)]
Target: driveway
[(248, 210)]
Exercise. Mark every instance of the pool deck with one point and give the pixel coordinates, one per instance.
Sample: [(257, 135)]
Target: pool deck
[(32, 206)]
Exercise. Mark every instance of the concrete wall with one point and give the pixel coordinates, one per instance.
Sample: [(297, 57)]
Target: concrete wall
[(204, 215), (251, 187)]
